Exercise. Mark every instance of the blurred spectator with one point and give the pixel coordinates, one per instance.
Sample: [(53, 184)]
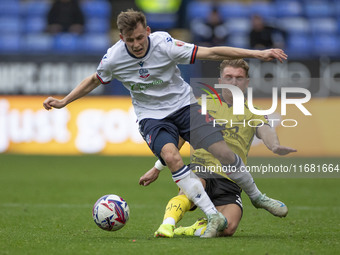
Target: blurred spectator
[(65, 16), (263, 36), (212, 31)]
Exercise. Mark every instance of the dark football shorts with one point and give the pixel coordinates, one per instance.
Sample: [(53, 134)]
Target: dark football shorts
[(186, 122), (221, 190)]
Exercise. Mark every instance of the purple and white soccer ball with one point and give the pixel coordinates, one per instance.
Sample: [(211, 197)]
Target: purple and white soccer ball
[(110, 212)]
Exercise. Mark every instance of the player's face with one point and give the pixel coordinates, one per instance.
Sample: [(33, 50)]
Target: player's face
[(137, 40), (234, 76)]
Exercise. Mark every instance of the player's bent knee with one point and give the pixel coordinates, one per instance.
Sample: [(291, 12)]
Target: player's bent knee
[(170, 155)]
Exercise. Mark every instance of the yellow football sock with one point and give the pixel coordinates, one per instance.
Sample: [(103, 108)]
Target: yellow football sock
[(176, 208)]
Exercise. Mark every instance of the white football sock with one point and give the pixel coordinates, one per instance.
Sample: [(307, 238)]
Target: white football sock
[(237, 172), (192, 187), (169, 220)]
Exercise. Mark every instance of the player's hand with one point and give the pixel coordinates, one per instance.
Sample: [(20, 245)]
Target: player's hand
[(149, 177), (283, 150), (271, 54), (52, 102)]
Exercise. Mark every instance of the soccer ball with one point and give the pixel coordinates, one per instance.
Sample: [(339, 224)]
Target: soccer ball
[(110, 212)]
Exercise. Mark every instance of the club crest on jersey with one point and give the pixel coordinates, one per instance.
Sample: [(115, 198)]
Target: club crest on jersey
[(144, 73)]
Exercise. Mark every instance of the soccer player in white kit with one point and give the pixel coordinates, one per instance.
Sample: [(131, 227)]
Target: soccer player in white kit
[(146, 64)]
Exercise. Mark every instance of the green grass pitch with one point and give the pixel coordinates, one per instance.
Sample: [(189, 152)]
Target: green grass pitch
[(46, 205)]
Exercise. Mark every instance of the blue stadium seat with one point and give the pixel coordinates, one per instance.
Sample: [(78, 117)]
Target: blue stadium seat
[(288, 9), (35, 24), (198, 10), (238, 40), (99, 9), (337, 8), (36, 8), (265, 9), (10, 43), (299, 45), (238, 25), (10, 24), (97, 25), (66, 43), (323, 26), (159, 21), (319, 9), (95, 43), (286, 1), (233, 10), (326, 45), (294, 25), (37, 43), (10, 8)]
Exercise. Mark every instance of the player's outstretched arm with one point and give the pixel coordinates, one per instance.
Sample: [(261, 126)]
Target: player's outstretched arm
[(85, 87), (270, 139), (222, 53)]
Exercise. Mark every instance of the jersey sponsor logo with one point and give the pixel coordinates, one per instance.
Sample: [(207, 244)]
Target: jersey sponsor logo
[(143, 86), (168, 39)]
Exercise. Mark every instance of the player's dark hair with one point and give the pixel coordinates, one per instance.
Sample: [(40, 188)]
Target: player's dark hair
[(127, 21), (236, 63)]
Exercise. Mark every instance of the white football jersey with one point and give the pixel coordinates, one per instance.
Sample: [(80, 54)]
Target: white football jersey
[(154, 81)]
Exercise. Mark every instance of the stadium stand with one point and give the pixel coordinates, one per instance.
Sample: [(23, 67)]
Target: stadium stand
[(288, 9), (37, 43), (10, 8), (23, 25), (312, 26), (10, 43)]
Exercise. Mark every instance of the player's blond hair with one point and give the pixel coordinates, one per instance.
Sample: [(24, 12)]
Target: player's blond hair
[(127, 21), (236, 63)]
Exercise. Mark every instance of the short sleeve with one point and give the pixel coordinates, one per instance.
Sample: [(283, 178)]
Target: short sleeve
[(104, 73), (181, 52)]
